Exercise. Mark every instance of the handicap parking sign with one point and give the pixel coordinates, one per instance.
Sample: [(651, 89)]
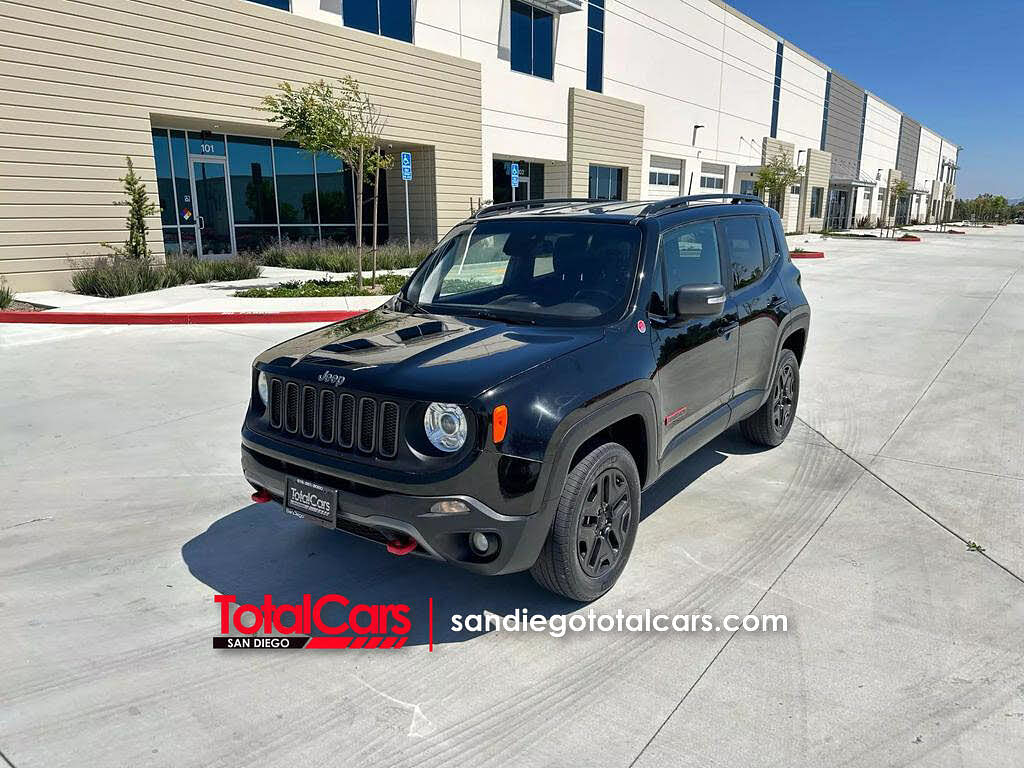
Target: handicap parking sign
[(407, 166), (515, 174)]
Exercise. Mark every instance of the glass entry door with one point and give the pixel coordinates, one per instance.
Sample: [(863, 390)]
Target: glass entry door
[(212, 208)]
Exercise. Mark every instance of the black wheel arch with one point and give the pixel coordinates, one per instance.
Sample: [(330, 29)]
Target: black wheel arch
[(615, 421)]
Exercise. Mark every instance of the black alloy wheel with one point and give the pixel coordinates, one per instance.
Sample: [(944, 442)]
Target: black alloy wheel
[(783, 395), (604, 524)]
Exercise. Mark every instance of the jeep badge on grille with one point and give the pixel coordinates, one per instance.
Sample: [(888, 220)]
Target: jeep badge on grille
[(331, 378)]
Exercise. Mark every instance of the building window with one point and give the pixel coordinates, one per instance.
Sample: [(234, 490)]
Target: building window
[(595, 45), (605, 182), (747, 187), (283, 5), (664, 178), (795, 189), (276, 192), (533, 40), (390, 18), (712, 182), (252, 181), (816, 195), (531, 181)]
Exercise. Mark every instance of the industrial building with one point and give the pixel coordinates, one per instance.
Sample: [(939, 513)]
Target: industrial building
[(602, 98)]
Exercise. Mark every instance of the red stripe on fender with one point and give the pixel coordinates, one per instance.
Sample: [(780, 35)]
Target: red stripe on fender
[(359, 642), (401, 642), (374, 642), (329, 642), (176, 318), (388, 641)]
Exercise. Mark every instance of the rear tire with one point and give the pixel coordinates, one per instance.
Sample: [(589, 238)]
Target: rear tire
[(770, 423), (594, 528)]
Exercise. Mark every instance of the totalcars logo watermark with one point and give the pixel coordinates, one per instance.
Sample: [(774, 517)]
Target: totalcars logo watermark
[(333, 379), (274, 626)]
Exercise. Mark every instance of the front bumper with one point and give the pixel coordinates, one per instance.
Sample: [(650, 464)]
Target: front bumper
[(379, 514)]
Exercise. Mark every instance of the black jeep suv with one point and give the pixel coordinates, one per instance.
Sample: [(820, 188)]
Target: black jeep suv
[(547, 362)]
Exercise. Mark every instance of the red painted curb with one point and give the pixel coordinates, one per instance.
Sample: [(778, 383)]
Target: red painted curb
[(175, 318), (908, 239), (807, 255)]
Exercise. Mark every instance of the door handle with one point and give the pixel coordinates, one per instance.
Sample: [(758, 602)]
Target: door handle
[(202, 222), (728, 329)]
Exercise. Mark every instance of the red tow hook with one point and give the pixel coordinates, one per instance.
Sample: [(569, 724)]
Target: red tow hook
[(402, 546), (262, 496)]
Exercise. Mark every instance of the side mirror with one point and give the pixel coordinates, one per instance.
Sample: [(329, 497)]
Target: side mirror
[(704, 299)]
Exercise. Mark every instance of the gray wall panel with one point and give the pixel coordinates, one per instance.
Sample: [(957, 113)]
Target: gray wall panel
[(906, 154), (845, 126)]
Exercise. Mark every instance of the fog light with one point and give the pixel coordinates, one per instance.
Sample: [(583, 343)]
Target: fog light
[(450, 507), (480, 543)]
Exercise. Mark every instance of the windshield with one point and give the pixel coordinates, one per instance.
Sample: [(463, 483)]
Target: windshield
[(546, 272)]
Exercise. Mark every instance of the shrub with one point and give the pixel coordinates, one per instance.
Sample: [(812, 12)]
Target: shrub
[(338, 258), (386, 286), (139, 206), (123, 277), (6, 294)]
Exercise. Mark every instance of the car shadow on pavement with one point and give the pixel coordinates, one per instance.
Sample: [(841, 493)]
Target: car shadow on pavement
[(260, 550)]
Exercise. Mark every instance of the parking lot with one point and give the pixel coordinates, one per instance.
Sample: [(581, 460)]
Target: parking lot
[(124, 511)]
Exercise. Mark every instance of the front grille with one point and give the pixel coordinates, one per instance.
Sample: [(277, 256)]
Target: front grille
[(364, 425)]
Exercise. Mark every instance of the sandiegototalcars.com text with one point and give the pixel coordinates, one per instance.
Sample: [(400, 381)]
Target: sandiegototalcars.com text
[(559, 625)]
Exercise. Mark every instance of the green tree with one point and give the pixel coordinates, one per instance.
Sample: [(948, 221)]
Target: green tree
[(139, 206), (343, 123), (897, 192), (775, 177)]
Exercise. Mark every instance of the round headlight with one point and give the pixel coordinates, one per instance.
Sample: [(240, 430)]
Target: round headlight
[(445, 425), (263, 387)]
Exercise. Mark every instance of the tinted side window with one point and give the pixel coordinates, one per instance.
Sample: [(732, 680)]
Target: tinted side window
[(690, 255), (772, 249), (743, 244)]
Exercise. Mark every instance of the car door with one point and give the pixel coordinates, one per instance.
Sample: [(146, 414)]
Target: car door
[(695, 356), (758, 295)]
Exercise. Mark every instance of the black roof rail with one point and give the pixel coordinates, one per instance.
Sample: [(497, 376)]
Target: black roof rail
[(684, 201), (525, 205)]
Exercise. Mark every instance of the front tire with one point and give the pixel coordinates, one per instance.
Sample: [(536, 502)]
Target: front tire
[(594, 528), (770, 423)]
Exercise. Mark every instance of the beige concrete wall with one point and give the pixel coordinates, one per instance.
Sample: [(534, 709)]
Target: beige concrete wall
[(604, 131), (770, 149), (82, 82), (817, 173)]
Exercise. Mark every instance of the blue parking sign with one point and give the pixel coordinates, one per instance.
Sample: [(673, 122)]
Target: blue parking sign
[(515, 174), (407, 166)]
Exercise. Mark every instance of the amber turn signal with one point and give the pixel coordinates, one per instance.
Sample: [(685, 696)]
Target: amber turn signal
[(500, 423)]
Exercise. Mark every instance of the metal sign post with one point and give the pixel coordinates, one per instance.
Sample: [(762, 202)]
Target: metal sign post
[(406, 178), (514, 170)]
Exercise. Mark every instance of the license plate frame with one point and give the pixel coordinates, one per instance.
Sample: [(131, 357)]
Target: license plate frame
[(313, 501)]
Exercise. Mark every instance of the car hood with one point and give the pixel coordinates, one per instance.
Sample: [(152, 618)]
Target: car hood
[(423, 356)]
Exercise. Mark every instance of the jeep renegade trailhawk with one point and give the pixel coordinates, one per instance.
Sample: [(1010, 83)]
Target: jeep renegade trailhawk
[(548, 361)]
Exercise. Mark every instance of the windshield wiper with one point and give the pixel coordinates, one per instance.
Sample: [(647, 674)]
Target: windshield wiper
[(488, 314), (417, 308)]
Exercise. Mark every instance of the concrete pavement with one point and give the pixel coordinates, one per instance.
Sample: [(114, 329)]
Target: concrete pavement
[(125, 512)]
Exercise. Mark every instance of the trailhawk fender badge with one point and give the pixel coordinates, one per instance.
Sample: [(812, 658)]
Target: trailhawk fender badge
[(331, 378), (641, 326)]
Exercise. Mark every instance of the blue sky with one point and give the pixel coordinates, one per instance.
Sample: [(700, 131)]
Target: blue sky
[(956, 67)]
